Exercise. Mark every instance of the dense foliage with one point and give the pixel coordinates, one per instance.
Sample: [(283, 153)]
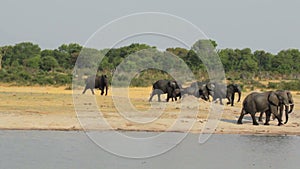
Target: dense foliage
[(27, 64)]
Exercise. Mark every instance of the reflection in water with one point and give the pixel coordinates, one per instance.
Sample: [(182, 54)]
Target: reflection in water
[(54, 149)]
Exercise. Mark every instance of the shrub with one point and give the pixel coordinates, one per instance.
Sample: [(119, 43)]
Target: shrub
[(272, 85), (61, 79), (291, 85)]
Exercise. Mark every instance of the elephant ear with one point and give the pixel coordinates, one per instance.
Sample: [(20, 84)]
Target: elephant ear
[(273, 99), (172, 84), (290, 97), (210, 86)]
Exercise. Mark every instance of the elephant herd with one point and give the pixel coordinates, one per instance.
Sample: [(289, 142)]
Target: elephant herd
[(265, 102), (198, 89), (268, 103)]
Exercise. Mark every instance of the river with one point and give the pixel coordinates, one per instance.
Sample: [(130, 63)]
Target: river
[(73, 149)]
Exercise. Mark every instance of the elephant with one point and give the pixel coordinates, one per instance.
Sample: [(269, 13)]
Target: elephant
[(200, 89), (262, 102), (231, 90), (220, 92), (288, 109), (215, 90), (99, 82), (166, 86)]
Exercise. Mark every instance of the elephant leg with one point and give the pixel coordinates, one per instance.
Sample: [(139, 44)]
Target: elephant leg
[(84, 90), (281, 111), (221, 103), (260, 116), (274, 110), (254, 119), (158, 96), (229, 100), (92, 91), (168, 97), (268, 115), (102, 92), (155, 92), (173, 97), (243, 112), (151, 96), (106, 88), (232, 99), (150, 99)]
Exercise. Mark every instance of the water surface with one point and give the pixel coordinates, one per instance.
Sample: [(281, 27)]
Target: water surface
[(60, 149)]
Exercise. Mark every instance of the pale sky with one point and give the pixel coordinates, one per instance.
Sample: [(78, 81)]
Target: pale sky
[(270, 25)]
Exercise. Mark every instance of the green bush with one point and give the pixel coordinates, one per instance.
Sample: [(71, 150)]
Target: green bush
[(61, 79), (272, 85), (291, 85)]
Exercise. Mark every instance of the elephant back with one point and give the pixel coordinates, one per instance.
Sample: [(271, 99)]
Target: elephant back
[(161, 85)]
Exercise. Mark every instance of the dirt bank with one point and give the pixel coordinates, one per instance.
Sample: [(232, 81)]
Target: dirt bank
[(52, 108)]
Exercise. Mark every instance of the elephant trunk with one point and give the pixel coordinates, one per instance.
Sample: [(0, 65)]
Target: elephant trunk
[(239, 92), (291, 108)]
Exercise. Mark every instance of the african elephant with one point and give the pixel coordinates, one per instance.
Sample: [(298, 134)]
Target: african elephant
[(231, 90), (262, 102), (201, 90), (165, 86), (221, 91), (218, 91), (288, 109), (99, 82)]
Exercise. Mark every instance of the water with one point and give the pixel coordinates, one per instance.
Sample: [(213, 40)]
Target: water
[(58, 149)]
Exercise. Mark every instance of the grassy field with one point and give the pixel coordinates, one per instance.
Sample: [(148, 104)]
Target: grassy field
[(54, 108)]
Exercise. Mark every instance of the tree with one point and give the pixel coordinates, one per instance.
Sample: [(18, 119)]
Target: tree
[(283, 62), (19, 53), (180, 52), (66, 55), (264, 60), (25, 50), (228, 59), (247, 61), (2, 52), (48, 63), (33, 62)]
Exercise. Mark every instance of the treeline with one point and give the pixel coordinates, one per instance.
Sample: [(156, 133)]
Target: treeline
[(259, 63), (27, 64)]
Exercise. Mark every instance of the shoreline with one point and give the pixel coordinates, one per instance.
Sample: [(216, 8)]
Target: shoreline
[(256, 133), (52, 109)]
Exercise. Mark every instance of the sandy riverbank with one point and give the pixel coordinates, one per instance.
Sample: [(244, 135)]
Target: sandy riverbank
[(52, 108)]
